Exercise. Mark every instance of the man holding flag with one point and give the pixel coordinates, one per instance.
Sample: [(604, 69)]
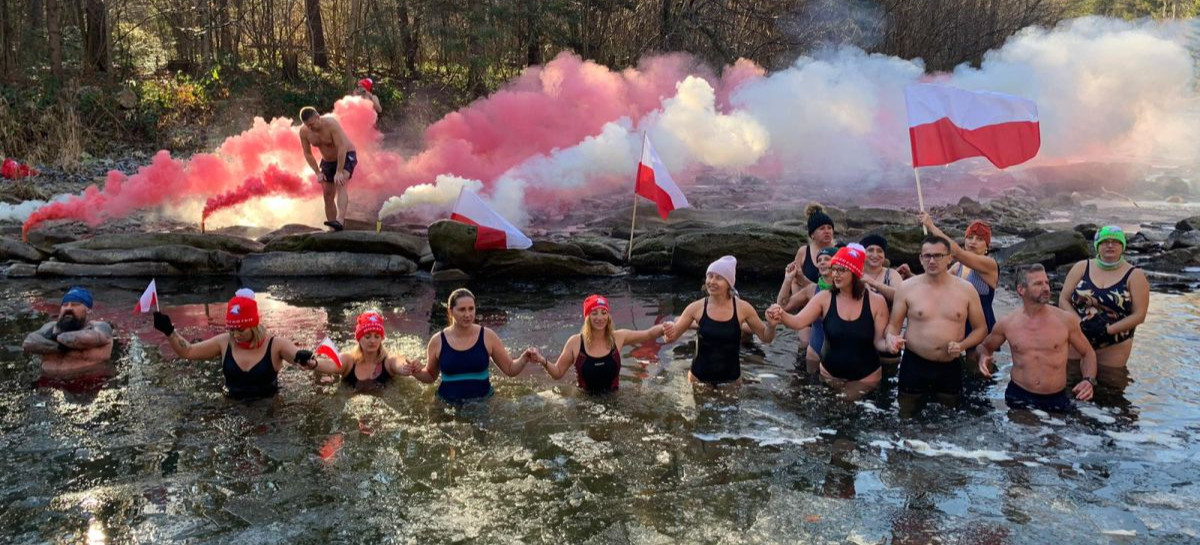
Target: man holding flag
[(74, 343)]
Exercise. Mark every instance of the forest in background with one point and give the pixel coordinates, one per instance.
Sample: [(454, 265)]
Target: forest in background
[(82, 78)]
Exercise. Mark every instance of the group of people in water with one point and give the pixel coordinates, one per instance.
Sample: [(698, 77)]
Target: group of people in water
[(854, 316)]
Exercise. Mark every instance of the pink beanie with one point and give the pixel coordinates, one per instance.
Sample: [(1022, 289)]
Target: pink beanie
[(726, 268)]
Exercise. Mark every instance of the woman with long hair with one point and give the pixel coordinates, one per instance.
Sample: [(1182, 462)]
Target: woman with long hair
[(598, 373)]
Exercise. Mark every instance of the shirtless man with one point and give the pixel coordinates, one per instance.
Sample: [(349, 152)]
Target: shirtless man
[(1038, 335), (338, 160), (937, 306), (363, 89), (73, 344)]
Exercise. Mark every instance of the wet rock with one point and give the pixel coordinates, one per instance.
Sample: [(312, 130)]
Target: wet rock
[(1145, 242), (15, 249), (970, 207), (21, 270), (355, 242), (1188, 224), (1049, 249), (59, 268), (1088, 230), (51, 233), (186, 258), (450, 275), (1174, 260), (453, 245), (869, 218), (761, 251), (326, 264), (559, 248), (599, 248), (130, 241), (286, 230), (1182, 239)]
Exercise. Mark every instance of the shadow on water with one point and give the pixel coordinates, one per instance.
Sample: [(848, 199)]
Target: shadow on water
[(153, 452)]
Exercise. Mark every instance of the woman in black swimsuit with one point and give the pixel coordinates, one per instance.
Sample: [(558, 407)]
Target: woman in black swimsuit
[(598, 374), (719, 316), (854, 319), (1111, 297), (369, 364), (252, 357)]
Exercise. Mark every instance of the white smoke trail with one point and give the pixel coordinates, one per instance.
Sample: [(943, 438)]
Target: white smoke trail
[(431, 200), (20, 212)]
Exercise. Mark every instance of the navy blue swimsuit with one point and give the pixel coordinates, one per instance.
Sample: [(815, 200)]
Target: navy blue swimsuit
[(465, 373)]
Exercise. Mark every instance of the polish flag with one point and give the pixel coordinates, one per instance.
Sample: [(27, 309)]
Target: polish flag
[(149, 299), (494, 232), (329, 350), (946, 124), (655, 183)]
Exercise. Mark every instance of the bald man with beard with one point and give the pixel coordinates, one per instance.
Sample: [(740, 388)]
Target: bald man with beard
[(74, 343)]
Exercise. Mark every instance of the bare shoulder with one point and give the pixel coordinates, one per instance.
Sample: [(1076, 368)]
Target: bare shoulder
[(1077, 268), (103, 327), (876, 300), (1066, 316), (745, 306)]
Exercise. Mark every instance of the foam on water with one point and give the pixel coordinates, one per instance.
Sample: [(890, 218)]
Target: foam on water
[(770, 437), (939, 448)]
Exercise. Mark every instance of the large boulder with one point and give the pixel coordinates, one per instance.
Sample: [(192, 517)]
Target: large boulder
[(355, 242), (286, 230), (453, 246), (1050, 249), (1174, 261), (326, 264), (761, 251), (870, 218), (193, 260), (14, 249), (130, 241), (1188, 224), (1182, 239), (153, 269)]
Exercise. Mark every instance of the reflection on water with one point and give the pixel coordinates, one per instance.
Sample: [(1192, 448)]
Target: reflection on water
[(156, 453)]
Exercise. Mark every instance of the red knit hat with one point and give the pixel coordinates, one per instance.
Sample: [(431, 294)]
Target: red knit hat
[(851, 258), (369, 322), (366, 83), (241, 313), (981, 230), (594, 302)]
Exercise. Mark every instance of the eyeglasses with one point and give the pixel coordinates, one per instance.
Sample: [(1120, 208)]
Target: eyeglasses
[(932, 257), (838, 270)]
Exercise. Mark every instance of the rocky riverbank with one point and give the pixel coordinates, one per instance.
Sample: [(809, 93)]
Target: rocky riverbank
[(763, 240)]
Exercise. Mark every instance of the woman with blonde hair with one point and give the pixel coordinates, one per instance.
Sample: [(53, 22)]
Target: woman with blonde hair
[(369, 362), (598, 374), (461, 354)]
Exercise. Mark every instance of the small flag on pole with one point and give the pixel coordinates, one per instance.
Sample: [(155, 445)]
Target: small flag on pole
[(654, 182), (329, 350), (494, 232), (149, 299)]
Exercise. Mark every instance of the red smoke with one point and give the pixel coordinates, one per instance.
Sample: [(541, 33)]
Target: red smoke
[(273, 182), (546, 107)]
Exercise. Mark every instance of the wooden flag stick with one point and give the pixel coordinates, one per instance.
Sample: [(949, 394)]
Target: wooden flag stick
[(633, 224), (920, 195)]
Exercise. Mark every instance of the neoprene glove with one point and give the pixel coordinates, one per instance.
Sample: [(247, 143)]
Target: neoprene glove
[(162, 322), (303, 357), (1094, 328)]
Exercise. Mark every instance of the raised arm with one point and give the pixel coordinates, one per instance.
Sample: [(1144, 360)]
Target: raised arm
[(431, 370), (41, 341), (203, 350), (289, 352), (983, 265), (813, 311), (626, 337), (689, 316), (95, 335), (567, 357), (886, 289), (764, 331)]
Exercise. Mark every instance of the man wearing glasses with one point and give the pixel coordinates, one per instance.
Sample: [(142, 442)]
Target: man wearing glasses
[(938, 307)]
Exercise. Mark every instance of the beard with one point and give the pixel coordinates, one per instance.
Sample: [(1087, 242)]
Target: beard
[(69, 322)]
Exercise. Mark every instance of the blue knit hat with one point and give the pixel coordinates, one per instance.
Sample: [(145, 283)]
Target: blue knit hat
[(78, 295)]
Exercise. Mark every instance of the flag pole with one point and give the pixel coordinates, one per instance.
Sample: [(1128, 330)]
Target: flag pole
[(156, 308), (920, 196), (633, 224)]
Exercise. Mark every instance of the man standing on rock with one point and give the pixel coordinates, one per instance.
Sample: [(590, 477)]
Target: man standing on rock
[(1038, 335), (938, 307), (74, 343), (338, 159)]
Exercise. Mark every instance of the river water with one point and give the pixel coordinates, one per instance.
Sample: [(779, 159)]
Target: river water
[(156, 453)]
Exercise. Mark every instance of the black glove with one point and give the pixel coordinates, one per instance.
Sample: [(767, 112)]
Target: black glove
[(162, 322), (303, 357), (63, 348), (1094, 328)]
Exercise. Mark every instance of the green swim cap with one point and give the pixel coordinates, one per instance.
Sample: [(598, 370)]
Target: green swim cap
[(1109, 232)]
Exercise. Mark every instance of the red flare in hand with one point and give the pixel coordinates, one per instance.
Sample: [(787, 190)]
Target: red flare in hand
[(274, 181)]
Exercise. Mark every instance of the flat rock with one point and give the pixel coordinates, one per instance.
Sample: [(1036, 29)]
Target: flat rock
[(326, 264), (357, 242), (453, 246), (1182, 239), (227, 243), (450, 275), (15, 249), (21, 270), (59, 268), (1188, 224), (1050, 249), (183, 257), (1174, 260), (289, 229)]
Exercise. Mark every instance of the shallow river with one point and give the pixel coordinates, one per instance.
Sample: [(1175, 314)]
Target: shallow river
[(156, 453)]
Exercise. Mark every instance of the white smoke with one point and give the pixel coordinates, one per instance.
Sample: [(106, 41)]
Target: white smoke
[(20, 212), (431, 199)]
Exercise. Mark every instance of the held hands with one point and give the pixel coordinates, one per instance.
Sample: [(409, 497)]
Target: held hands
[(774, 314), (895, 343), (954, 348), (985, 363), (162, 322), (668, 330), (304, 358)]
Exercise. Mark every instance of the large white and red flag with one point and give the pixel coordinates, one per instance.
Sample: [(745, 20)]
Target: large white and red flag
[(494, 232), (946, 124), (148, 300), (329, 350), (655, 183)]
